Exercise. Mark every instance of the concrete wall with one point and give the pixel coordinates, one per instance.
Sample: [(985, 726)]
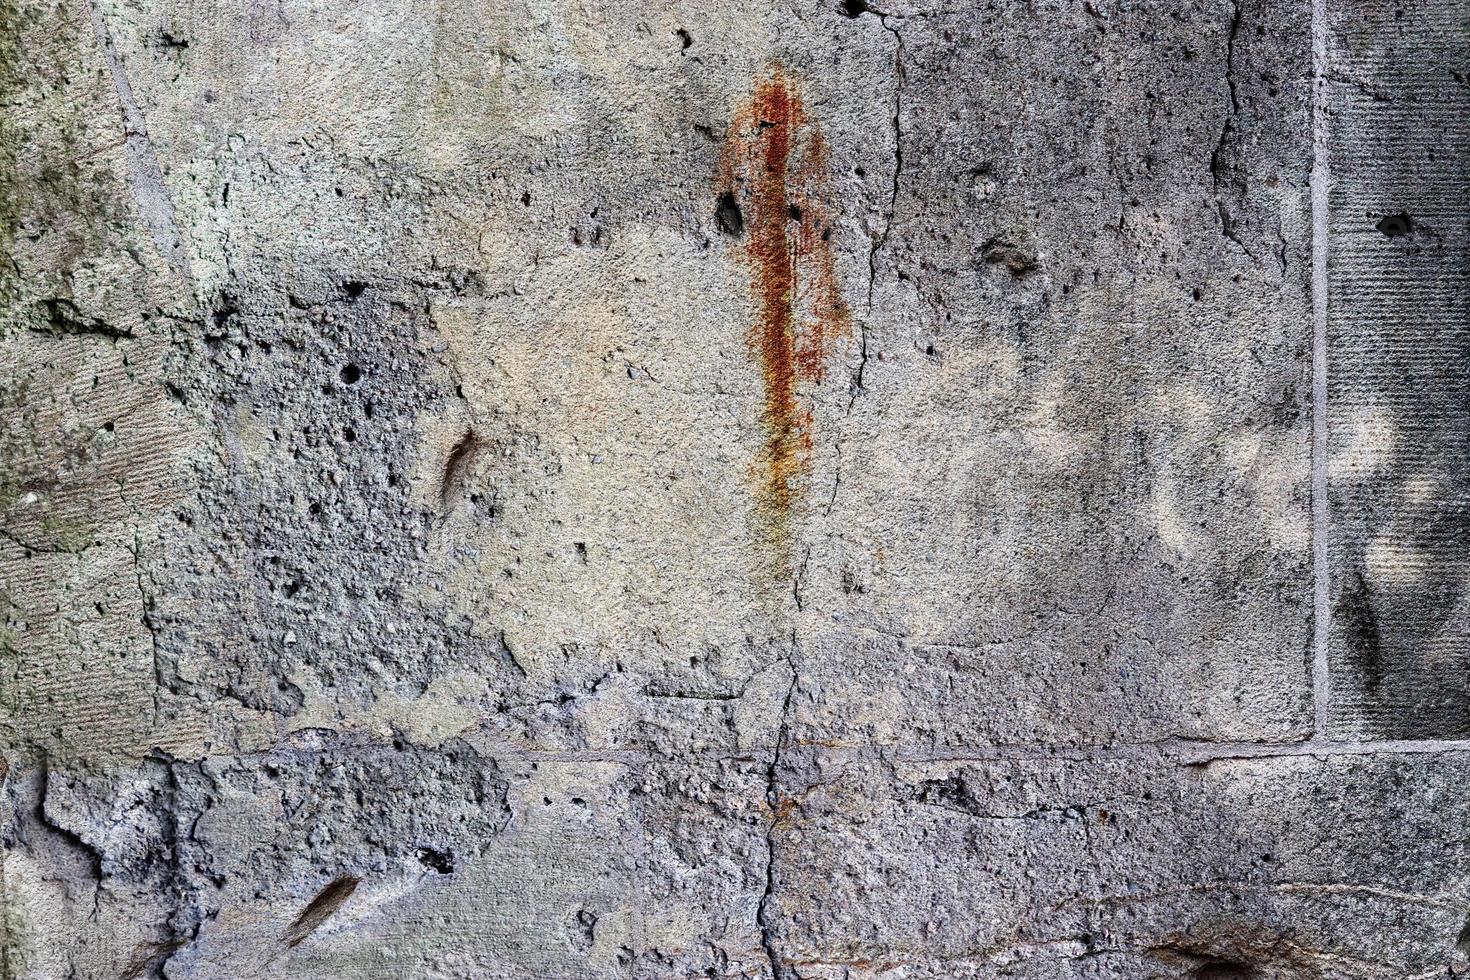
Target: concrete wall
[(819, 488)]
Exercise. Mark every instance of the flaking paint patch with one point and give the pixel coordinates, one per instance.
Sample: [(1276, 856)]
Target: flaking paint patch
[(774, 167)]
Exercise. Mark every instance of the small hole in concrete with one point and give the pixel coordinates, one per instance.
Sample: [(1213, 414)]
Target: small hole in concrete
[(728, 216), (439, 862), (1395, 225), (351, 374)]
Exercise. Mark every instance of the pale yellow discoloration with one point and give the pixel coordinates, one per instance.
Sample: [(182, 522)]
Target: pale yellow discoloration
[(1364, 442), (613, 432), (1395, 563)]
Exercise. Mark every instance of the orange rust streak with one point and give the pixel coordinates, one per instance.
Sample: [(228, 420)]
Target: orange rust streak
[(766, 139), (775, 110)]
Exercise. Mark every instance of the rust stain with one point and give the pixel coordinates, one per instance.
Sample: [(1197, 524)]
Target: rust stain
[(772, 195), (783, 809)]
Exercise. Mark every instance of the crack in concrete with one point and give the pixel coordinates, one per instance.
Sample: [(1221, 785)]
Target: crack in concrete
[(773, 801), (136, 550), (1229, 127), (1216, 157), (180, 932), (880, 241), (799, 576), (68, 837)]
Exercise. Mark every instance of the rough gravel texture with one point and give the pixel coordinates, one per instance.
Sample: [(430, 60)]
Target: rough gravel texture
[(821, 489)]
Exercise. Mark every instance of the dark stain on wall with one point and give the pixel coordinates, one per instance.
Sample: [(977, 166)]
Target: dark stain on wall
[(1360, 624), (320, 909)]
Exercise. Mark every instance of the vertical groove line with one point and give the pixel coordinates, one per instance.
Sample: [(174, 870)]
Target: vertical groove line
[(1320, 188), (145, 174)]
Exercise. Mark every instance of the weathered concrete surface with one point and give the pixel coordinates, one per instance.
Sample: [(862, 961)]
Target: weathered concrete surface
[(816, 489), (1399, 336)]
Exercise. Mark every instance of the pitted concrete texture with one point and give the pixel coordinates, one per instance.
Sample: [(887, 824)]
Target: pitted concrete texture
[(819, 489)]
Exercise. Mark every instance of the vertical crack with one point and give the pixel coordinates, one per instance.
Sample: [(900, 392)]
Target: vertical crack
[(181, 929), (896, 121), (73, 839), (763, 914), (146, 618), (880, 241), (1217, 157), (90, 853), (836, 481), (799, 577), (1219, 164)]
